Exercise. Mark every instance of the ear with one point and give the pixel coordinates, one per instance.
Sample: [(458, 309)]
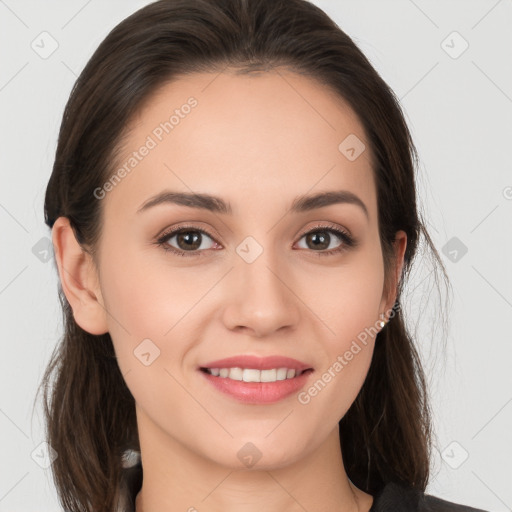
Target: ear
[(391, 287), (79, 279)]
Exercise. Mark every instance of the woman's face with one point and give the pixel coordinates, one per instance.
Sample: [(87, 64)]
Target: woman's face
[(251, 280)]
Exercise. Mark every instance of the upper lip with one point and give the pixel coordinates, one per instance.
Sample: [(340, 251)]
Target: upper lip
[(258, 363)]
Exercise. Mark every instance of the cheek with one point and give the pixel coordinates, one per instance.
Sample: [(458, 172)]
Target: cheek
[(156, 315), (149, 306), (145, 297), (349, 307), (348, 298)]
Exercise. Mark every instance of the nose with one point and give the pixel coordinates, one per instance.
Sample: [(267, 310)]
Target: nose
[(262, 298)]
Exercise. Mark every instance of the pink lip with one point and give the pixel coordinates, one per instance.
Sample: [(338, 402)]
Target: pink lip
[(258, 363), (258, 392)]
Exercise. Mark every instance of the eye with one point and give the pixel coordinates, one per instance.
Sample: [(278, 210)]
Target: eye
[(321, 238), (189, 239)]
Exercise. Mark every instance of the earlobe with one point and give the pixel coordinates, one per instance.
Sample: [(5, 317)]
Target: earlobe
[(79, 279)]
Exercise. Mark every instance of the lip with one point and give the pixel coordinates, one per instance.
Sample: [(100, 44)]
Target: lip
[(258, 392), (258, 363)]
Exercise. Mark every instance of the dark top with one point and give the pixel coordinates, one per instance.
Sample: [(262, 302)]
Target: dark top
[(392, 498)]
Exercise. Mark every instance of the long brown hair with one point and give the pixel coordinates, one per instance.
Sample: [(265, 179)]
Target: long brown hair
[(89, 411)]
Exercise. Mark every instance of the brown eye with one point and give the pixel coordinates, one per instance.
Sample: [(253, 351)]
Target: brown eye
[(187, 240), (320, 239)]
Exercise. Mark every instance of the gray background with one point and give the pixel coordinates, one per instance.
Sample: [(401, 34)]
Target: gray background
[(458, 102)]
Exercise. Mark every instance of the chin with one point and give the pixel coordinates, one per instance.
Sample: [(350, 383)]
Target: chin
[(258, 453)]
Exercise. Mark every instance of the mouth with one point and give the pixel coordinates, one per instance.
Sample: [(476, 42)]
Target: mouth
[(256, 380)]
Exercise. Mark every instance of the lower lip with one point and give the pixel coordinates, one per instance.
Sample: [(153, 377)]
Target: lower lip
[(258, 392)]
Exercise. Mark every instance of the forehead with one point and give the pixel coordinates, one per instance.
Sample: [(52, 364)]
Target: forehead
[(271, 137)]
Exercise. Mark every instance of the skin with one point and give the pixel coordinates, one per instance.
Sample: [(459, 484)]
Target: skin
[(256, 141)]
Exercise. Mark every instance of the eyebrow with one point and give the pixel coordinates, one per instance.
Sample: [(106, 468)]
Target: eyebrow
[(215, 204)]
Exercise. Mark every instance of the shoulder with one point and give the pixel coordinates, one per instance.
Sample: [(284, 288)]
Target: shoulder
[(396, 498), (433, 504)]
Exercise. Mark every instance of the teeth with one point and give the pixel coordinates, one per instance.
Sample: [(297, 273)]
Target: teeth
[(252, 375), (281, 373), (268, 376), (235, 373)]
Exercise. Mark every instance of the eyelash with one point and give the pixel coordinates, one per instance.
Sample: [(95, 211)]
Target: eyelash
[(348, 241)]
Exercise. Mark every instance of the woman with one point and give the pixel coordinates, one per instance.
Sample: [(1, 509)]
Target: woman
[(233, 214)]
